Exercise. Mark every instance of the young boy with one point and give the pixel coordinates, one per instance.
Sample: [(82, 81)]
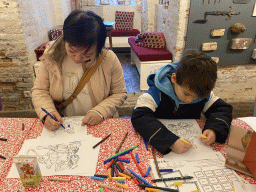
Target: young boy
[(182, 90)]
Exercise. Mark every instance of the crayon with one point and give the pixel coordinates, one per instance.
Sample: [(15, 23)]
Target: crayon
[(124, 160), (2, 157), (57, 179), (3, 139), (166, 170), (101, 141), (152, 189), (119, 178), (137, 165), (203, 136), (123, 186), (122, 152), (103, 176), (124, 175), (145, 144), (137, 157), (140, 178), (106, 186), (161, 188), (97, 178), (149, 168), (101, 190), (120, 181), (50, 115), (185, 141)]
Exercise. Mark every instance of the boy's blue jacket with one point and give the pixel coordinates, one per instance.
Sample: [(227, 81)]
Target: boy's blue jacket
[(161, 102)]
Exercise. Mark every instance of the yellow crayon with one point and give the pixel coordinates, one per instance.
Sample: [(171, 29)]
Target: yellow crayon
[(109, 174), (177, 184), (203, 136), (123, 186), (195, 191), (151, 189), (119, 178), (184, 140), (121, 174)]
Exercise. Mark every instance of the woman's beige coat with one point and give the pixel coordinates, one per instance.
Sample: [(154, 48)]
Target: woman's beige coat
[(106, 86)]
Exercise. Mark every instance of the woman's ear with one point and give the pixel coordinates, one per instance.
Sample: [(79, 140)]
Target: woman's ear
[(173, 78)]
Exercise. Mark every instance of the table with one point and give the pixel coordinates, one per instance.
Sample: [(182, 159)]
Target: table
[(11, 128)]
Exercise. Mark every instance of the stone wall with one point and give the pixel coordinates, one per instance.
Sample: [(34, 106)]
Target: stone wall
[(24, 26)]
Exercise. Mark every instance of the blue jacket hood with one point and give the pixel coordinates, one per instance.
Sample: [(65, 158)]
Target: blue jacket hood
[(162, 82)]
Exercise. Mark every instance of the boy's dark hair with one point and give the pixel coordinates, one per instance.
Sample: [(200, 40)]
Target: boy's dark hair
[(197, 71), (84, 29)]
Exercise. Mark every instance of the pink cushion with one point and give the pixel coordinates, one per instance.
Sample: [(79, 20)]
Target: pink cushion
[(149, 54), (124, 20), (116, 33), (151, 39)]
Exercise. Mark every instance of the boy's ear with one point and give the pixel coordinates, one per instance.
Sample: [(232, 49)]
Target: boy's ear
[(173, 78)]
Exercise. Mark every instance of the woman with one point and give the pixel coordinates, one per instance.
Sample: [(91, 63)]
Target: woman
[(64, 63)]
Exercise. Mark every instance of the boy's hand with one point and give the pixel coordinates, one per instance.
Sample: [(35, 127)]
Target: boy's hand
[(50, 123), (180, 146), (211, 137), (92, 118)]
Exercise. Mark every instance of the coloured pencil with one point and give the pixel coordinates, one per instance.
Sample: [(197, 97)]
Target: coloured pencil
[(101, 141), (57, 179), (172, 179), (161, 188), (184, 140), (121, 143), (123, 152), (155, 161), (50, 115)]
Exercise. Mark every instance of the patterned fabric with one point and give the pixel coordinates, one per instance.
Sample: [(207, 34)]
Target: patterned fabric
[(40, 50), (124, 20), (55, 33), (150, 39)]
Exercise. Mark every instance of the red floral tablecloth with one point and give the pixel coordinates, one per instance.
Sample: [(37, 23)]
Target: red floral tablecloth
[(11, 128)]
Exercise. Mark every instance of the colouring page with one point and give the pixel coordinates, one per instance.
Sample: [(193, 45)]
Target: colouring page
[(73, 155), (72, 126), (187, 129), (209, 174)]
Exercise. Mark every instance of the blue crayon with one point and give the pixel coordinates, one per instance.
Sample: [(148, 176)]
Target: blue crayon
[(145, 144), (139, 177), (149, 168), (124, 160), (137, 157), (166, 170), (97, 178), (50, 115)]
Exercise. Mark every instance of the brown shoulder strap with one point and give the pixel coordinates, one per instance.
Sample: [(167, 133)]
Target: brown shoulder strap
[(87, 75)]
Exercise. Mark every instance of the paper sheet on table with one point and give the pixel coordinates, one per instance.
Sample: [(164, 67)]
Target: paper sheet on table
[(72, 126), (209, 174), (251, 121), (71, 155), (187, 129)]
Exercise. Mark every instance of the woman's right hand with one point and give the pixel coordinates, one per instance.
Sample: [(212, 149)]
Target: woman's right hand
[(50, 123), (180, 146)]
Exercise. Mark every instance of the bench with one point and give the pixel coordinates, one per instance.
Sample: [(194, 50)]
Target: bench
[(148, 60)]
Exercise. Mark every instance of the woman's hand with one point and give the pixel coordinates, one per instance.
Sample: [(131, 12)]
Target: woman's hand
[(180, 146), (211, 137), (50, 123), (92, 118)]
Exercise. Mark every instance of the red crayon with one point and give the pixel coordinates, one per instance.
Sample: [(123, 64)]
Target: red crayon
[(137, 165)]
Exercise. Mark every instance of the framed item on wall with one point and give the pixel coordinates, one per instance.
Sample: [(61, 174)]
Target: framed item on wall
[(120, 2), (104, 2), (254, 11)]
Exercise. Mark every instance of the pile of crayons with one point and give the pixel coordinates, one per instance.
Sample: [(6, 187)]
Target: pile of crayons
[(117, 172)]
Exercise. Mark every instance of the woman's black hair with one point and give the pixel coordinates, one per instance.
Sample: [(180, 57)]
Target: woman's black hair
[(84, 29)]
